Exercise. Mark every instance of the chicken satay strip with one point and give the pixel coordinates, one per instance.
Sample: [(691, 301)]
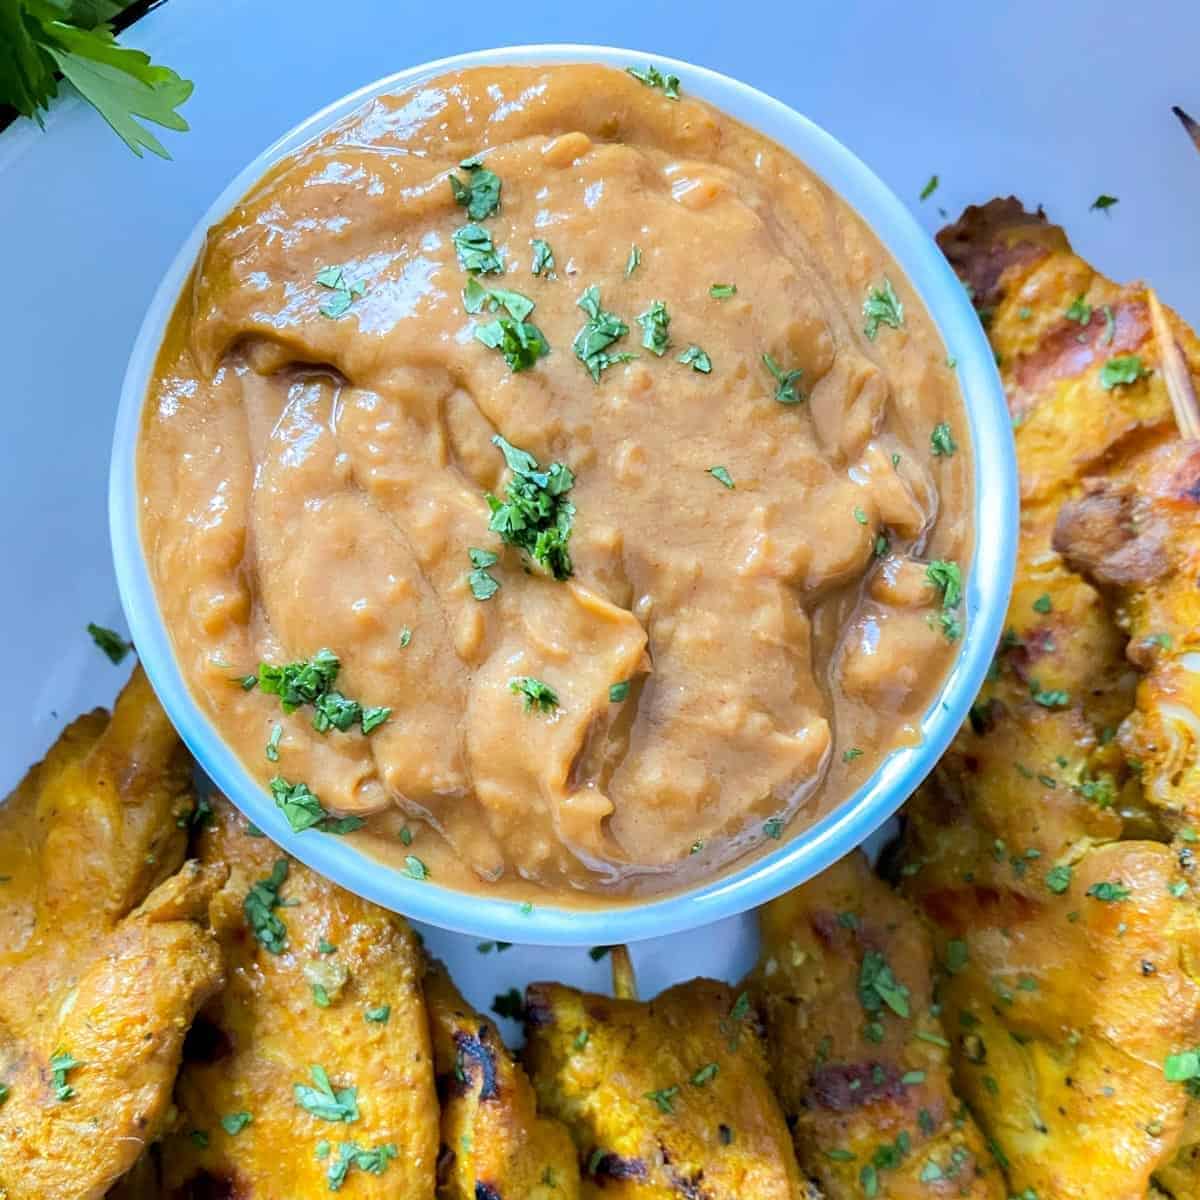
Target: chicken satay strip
[(90, 831), (312, 1070), (859, 1055), (665, 1098), (494, 1144), (76, 1118)]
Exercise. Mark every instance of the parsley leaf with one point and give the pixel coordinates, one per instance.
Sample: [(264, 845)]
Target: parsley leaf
[(664, 1099), (122, 84), (618, 692), (882, 307), (111, 642), (722, 291), (1108, 892), (480, 195), (947, 578), (1043, 604), (878, 987), (543, 258), (1103, 203), (773, 828), (414, 868), (60, 1065), (259, 908), (633, 261), (301, 807), (930, 187), (654, 322), (697, 359), (477, 299), (234, 1123), (536, 515), (483, 585), (351, 1154), (301, 682), (521, 342), (785, 381), (273, 743), (722, 476), (941, 441), (601, 329), (1080, 311), (535, 693), (322, 1101), (344, 294), (654, 78), (473, 244), (1055, 698), (378, 1016), (1125, 368)]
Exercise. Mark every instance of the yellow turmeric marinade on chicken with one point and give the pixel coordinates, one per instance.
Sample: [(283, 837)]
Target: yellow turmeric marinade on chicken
[(312, 1071), (1067, 928), (494, 1144), (102, 954), (859, 1057), (664, 1099)]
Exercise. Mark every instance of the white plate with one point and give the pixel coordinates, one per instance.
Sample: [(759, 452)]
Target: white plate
[(1046, 101)]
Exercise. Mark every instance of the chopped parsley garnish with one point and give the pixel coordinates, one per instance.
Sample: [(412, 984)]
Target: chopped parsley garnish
[(480, 195), (655, 322), (234, 1123), (722, 291), (697, 359), (332, 710), (1080, 311), (633, 261), (601, 329), (722, 476), (1043, 604), (851, 754), (543, 258), (406, 836), (1108, 892), (3, 1092), (1053, 698), (878, 988), (773, 828), (476, 299), (378, 1016), (371, 717), (1184, 1067), (1103, 203), (947, 578), (483, 585), (1058, 879), (1124, 368), (60, 1065), (509, 1005), (654, 78), (259, 908), (521, 342), (785, 381), (930, 187), (405, 637), (301, 806), (664, 1098), (534, 692), (706, 1074), (350, 1154), (344, 294), (414, 868), (109, 641), (322, 1101), (535, 515), (618, 692), (941, 440), (473, 244), (311, 682), (860, 516), (273, 743), (882, 307), (956, 956), (1110, 326)]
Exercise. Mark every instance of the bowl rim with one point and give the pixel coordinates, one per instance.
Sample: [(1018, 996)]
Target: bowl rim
[(988, 583)]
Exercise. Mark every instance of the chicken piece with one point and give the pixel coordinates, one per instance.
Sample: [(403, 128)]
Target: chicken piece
[(865, 1084), (312, 1070), (89, 978), (663, 1099), (494, 1145), (1064, 1004)]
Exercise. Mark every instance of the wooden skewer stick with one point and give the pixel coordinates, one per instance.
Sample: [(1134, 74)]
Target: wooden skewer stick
[(623, 979), (1192, 127), (1175, 372)]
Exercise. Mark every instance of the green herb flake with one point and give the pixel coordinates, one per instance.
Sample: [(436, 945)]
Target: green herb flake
[(956, 956), (664, 1099), (851, 754), (234, 1123), (477, 299), (61, 1064), (1080, 311), (878, 988), (350, 1154), (322, 1101), (618, 692), (1052, 698), (722, 476), (1121, 370), (946, 576), (722, 291), (482, 584), (480, 195), (324, 946), (1110, 326), (1043, 604), (344, 293), (930, 187), (785, 381), (535, 515), (706, 1074), (1182, 1067), (273, 743), (941, 441), (860, 516), (882, 307), (655, 322), (697, 359), (773, 828), (300, 805), (599, 331), (414, 868), (543, 258), (259, 909), (473, 244), (633, 261), (113, 645), (534, 693), (1108, 892), (1103, 203), (520, 342), (406, 836), (912, 1078), (653, 78)]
